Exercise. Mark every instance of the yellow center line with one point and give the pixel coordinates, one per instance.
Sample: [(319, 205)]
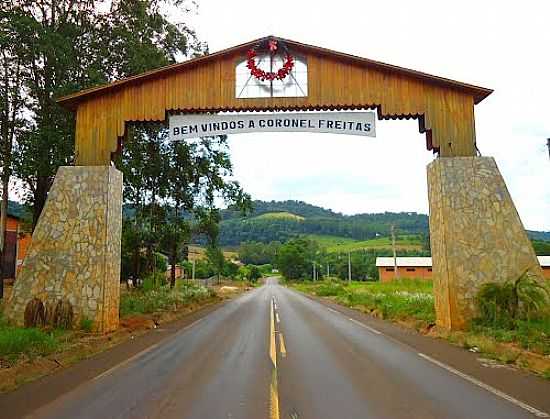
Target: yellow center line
[(274, 390), (274, 405), (272, 345), (282, 343)]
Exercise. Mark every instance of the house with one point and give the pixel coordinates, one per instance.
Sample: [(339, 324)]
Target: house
[(407, 267), (421, 267), (17, 242), (545, 265)]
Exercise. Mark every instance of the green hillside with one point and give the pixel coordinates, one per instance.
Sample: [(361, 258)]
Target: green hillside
[(279, 221), (334, 244), (284, 215)]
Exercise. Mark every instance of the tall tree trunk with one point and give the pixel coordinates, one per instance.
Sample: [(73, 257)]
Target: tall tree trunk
[(40, 196), (3, 224), (173, 268)]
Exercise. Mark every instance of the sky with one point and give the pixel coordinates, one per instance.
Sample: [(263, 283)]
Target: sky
[(502, 45)]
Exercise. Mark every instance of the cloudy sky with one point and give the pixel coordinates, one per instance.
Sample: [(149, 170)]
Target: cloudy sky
[(503, 45)]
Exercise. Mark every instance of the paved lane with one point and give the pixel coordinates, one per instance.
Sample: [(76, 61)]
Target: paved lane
[(274, 353), (338, 368), (216, 368)]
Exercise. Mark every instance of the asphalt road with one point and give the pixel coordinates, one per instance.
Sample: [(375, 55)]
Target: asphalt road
[(274, 353)]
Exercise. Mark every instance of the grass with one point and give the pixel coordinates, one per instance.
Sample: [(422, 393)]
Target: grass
[(18, 341), (86, 324), (398, 300), (283, 215), (532, 335), (334, 244), (197, 252), (162, 299)]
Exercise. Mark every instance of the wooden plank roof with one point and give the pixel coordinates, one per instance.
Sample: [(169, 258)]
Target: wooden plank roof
[(71, 101), (444, 108)]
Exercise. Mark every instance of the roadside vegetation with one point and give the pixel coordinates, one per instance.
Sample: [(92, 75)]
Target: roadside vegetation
[(17, 342), (516, 311), (151, 299), (398, 300)]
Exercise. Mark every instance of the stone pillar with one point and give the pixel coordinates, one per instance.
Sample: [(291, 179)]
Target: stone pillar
[(75, 248), (476, 235)]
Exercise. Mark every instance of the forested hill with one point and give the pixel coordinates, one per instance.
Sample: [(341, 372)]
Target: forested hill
[(281, 220), (303, 209)]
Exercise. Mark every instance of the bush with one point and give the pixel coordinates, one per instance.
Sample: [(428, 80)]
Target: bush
[(255, 273), (266, 269), (154, 282), (330, 289), (15, 341), (502, 305), (86, 324)]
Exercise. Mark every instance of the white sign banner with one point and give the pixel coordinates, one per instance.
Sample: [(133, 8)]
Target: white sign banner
[(203, 125)]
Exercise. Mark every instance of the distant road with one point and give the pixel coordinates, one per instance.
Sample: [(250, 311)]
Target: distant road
[(274, 353)]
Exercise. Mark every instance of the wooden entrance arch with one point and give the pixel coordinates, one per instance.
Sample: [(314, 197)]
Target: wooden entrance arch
[(476, 234), (443, 107)]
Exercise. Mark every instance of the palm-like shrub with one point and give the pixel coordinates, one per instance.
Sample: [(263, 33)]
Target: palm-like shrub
[(503, 304)]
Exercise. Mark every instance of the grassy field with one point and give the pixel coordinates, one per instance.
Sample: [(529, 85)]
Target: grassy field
[(199, 253), (398, 300), (279, 216), (335, 244), (163, 298)]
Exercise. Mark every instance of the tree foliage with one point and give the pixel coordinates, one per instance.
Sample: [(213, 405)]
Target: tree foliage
[(235, 230), (296, 257), (174, 190), (67, 45)]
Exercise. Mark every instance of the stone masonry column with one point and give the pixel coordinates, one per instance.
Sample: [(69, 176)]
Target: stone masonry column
[(75, 248), (476, 235)]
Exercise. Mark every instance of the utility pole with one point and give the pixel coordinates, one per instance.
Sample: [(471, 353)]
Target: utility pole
[(395, 271), (314, 273), (193, 277), (328, 270), (349, 266)]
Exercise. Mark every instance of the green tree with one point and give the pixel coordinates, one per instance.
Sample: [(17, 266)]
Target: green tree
[(174, 235), (255, 273), (296, 257), (12, 123), (68, 45), (215, 257), (230, 269)]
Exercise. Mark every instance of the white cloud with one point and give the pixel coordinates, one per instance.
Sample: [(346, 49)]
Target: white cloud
[(501, 45)]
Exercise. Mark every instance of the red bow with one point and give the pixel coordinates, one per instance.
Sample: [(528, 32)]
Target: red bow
[(272, 44)]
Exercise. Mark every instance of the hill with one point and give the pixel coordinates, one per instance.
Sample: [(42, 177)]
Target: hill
[(334, 244), (282, 220), (279, 216), (279, 221)]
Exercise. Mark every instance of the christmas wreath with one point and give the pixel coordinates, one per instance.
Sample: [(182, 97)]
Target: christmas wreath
[(281, 73)]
